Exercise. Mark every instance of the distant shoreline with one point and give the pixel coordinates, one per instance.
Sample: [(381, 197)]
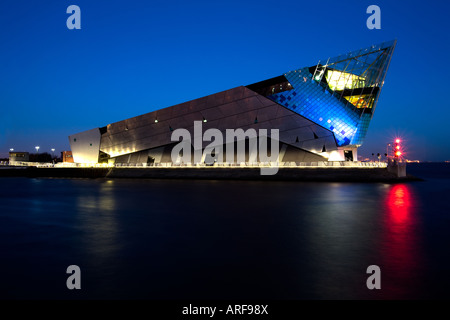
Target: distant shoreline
[(327, 174)]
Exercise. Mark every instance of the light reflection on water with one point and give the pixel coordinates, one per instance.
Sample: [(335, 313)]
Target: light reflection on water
[(402, 256), (211, 239), (96, 212)]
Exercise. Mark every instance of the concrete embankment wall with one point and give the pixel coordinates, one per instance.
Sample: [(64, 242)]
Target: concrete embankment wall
[(294, 174), (33, 172)]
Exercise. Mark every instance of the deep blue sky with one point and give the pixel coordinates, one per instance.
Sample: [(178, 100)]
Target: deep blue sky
[(132, 57)]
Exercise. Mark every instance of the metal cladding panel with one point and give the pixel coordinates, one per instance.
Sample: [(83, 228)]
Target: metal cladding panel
[(153, 142), (303, 134), (248, 93), (265, 102), (282, 111), (211, 113), (180, 109), (298, 155), (249, 103), (229, 109), (105, 141), (248, 110), (321, 132), (228, 122), (246, 118), (85, 146), (233, 94), (116, 127), (266, 113), (198, 104), (316, 145), (188, 118), (148, 129), (284, 123), (303, 122), (163, 114), (215, 99)]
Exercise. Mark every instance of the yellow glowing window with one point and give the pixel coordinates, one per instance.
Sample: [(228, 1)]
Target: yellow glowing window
[(338, 80), (362, 101)]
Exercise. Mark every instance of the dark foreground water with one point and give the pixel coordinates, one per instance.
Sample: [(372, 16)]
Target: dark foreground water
[(172, 239)]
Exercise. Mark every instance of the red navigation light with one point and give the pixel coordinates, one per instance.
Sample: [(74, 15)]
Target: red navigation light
[(397, 149)]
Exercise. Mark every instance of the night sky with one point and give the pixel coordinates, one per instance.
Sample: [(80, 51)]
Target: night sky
[(133, 57)]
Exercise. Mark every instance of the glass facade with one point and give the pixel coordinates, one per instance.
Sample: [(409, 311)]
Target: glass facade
[(340, 93)]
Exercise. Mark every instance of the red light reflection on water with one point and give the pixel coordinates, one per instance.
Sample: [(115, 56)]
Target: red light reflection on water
[(399, 203), (401, 256)]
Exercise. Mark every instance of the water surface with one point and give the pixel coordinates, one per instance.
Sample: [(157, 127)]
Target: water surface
[(184, 239)]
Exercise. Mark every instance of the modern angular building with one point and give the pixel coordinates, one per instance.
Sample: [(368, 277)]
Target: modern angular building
[(322, 113)]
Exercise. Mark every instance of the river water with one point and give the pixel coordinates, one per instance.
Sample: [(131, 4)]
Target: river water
[(195, 239)]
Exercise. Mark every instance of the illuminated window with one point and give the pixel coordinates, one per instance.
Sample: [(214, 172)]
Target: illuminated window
[(338, 80), (361, 101), (319, 75)]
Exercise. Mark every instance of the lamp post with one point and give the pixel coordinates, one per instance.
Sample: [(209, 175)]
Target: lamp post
[(37, 149), (53, 150), (12, 149)]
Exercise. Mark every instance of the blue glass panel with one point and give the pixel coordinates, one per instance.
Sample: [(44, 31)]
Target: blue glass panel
[(315, 100), (310, 100)]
